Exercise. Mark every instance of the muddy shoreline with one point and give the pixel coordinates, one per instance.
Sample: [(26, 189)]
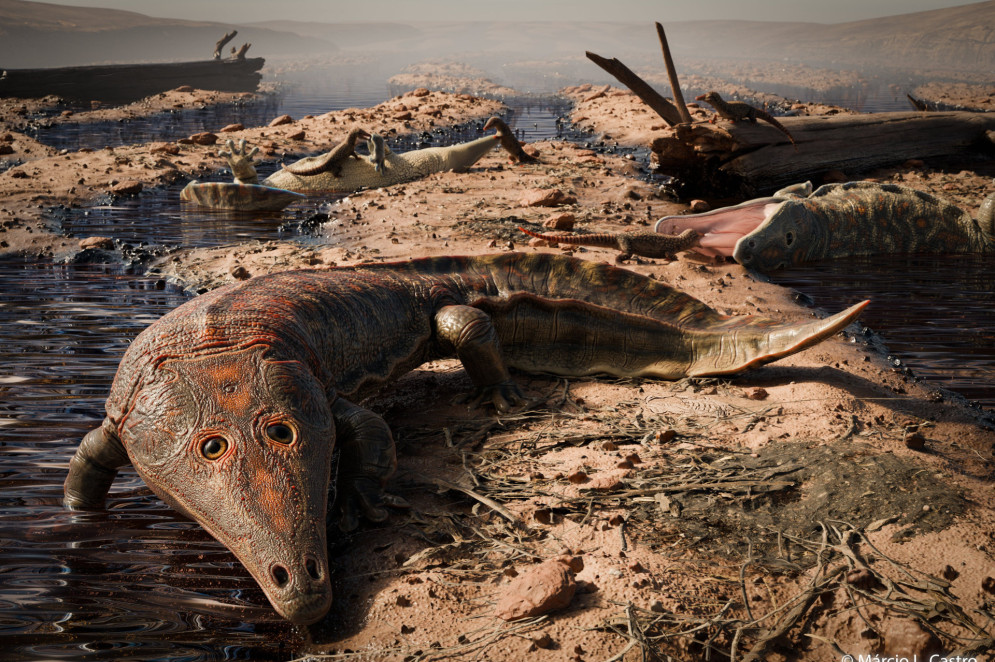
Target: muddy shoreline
[(909, 465)]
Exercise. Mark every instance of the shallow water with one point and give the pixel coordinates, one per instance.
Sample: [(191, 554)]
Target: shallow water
[(935, 313), (138, 582)]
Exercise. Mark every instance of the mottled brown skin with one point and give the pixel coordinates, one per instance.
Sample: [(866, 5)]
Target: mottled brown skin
[(331, 161), (637, 242), (737, 111), (230, 406), (509, 141)]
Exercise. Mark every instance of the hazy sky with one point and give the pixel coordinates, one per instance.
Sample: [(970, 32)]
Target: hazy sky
[(334, 11)]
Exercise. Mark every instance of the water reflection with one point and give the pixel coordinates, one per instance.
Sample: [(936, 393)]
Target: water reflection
[(135, 582), (936, 313)]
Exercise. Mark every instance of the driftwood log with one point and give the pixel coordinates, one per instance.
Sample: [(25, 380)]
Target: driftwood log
[(757, 159), (221, 43)]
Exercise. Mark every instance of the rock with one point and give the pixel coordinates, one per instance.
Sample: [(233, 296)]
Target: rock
[(915, 440), (229, 128), (835, 177), (103, 243), (6, 148), (204, 138), (564, 221), (545, 197), (281, 120), (757, 394), (420, 92), (536, 242), (297, 135), (127, 187), (861, 578), (698, 206), (578, 477), (405, 115), (540, 590), (18, 174), (988, 585), (238, 272), (164, 148), (907, 639), (184, 88)]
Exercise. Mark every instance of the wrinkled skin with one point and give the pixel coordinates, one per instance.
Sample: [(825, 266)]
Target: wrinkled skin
[(231, 405), (796, 225)]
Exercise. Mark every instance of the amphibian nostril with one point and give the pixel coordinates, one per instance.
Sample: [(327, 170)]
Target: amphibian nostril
[(280, 575), (312, 568)]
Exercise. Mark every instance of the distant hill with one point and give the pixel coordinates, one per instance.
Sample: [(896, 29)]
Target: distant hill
[(36, 34)]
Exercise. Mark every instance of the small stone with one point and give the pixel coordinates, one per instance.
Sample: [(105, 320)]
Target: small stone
[(204, 138), (757, 394), (297, 135), (103, 243), (540, 590), (835, 177), (988, 585), (231, 128), (536, 242), (907, 639), (164, 148), (861, 578), (281, 120), (405, 115), (578, 477), (913, 164), (403, 601), (544, 516), (6, 148), (543, 641), (127, 187), (564, 221), (238, 272), (420, 92), (915, 440), (539, 197), (950, 573), (698, 206), (184, 88)]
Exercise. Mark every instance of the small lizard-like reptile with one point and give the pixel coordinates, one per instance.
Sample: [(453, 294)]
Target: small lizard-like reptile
[(637, 242), (737, 111), (509, 141), (331, 161), (378, 151)]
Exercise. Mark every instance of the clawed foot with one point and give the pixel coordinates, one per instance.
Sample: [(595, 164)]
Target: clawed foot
[(505, 396), (240, 161), (363, 497)]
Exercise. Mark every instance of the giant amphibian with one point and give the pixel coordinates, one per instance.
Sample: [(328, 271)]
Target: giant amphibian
[(229, 407)]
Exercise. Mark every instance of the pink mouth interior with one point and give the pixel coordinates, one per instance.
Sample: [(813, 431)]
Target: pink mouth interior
[(722, 228)]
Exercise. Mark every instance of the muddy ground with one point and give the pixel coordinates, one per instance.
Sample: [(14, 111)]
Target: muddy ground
[(825, 503)]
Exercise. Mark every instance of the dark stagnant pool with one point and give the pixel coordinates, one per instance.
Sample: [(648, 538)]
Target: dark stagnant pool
[(140, 583)]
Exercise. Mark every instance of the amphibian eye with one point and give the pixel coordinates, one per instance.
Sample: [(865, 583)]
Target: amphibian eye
[(214, 447), (281, 433)]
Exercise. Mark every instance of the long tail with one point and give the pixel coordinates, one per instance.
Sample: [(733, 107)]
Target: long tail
[(602, 319), (599, 239)]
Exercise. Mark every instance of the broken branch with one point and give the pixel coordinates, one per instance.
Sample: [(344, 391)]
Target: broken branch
[(639, 87)]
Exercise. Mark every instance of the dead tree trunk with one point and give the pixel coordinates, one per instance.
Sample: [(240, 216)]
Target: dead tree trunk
[(639, 87), (675, 85), (240, 55), (221, 43), (761, 159)]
